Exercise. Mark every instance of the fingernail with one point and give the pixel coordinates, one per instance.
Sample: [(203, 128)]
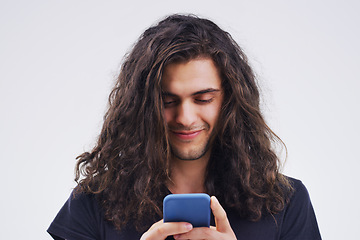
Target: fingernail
[(188, 226)]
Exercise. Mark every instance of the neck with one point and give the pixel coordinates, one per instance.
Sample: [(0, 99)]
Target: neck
[(188, 176)]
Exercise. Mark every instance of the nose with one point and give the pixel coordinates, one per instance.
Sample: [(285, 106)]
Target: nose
[(186, 114)]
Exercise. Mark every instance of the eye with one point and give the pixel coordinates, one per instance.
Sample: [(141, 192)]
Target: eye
[(169, 101), (209, 100), (204, 98)]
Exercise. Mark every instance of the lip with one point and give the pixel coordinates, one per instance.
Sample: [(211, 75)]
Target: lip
[(186, 135)]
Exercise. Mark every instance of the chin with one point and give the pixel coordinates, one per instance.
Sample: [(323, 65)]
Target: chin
[(190, 156)]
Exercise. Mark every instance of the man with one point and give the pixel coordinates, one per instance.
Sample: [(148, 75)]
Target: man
[(184, 117)]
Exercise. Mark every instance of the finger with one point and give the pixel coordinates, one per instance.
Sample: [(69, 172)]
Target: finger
[(161, 230), (221, 220), (199, 233)]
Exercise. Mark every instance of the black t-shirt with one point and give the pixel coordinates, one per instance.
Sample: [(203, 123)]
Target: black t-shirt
[(81, 218)]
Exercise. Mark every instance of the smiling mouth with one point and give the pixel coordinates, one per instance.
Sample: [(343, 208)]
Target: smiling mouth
[(186, 135)]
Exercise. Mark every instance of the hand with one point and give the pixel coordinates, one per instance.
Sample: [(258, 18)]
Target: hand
[(222, 231), (161, 230)]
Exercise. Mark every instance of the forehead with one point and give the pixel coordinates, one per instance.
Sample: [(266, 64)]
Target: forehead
[(191, 76)]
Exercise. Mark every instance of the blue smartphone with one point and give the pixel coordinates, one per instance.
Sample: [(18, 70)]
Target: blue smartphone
[(192, 207)]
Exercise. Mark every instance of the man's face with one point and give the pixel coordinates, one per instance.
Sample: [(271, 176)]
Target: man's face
[(192, 95)]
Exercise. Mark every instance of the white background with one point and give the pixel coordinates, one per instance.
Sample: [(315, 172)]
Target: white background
[(58, 60)]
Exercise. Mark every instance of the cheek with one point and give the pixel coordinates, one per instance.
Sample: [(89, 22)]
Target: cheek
[(167, 115), (211, 114)]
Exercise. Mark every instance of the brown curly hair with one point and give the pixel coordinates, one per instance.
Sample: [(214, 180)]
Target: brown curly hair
[(129, 166)]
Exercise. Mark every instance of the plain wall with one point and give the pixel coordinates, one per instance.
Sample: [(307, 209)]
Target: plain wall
[(58, 61)]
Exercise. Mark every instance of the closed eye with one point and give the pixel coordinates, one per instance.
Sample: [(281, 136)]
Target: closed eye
[(169, 102), (204, 100)]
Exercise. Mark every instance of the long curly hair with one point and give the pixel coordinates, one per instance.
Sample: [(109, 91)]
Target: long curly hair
[(129, 167)]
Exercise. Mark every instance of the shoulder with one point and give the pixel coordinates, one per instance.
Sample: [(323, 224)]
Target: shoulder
[(299, 218), (82, 204), (80, 216), (300, 190), (82, 201), (299, 198)]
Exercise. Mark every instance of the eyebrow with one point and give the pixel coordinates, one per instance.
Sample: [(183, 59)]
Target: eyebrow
[(208, 90)]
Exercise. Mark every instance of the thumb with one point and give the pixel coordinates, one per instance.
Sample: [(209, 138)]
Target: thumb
[(221, 220)]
